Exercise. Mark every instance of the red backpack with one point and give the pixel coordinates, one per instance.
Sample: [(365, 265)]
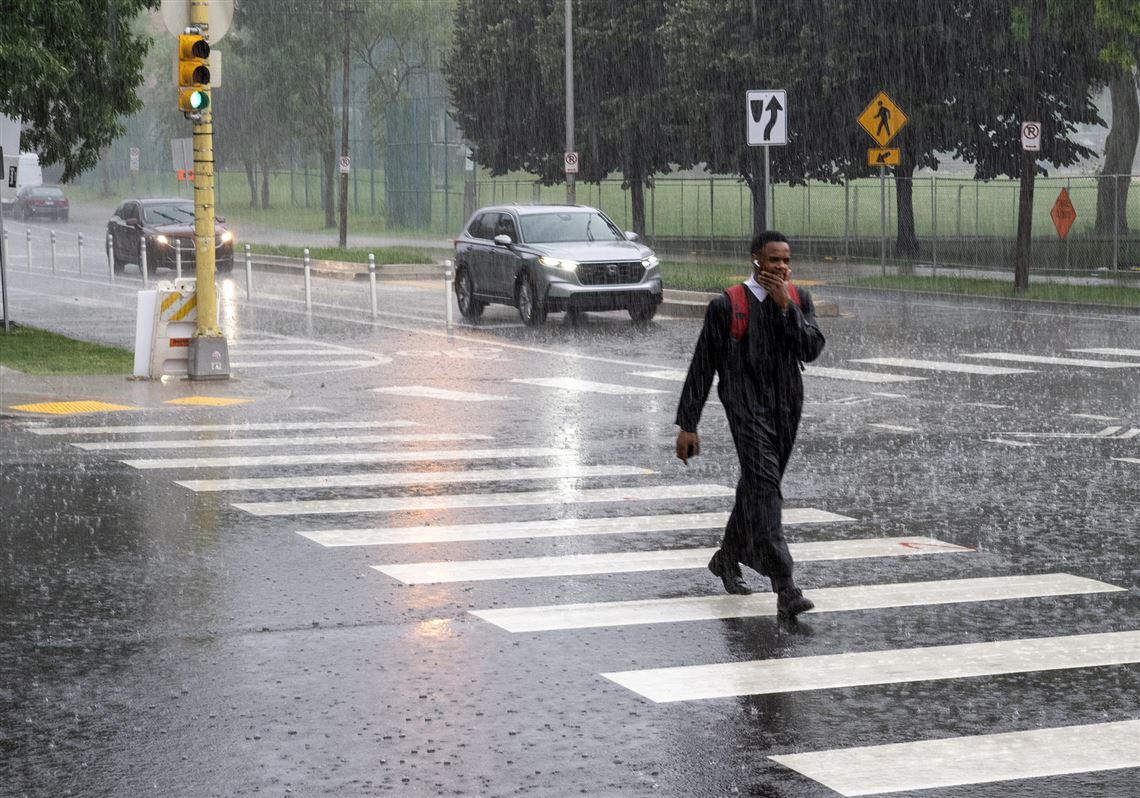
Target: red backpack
[(739, 298)]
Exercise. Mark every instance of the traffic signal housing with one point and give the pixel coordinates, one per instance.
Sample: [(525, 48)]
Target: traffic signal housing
[(193, 73)]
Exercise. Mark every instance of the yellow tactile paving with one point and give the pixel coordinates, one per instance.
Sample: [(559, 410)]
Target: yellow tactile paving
[(211, 401), (67, 408)]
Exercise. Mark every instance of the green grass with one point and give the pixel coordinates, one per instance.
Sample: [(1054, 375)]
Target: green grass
[(702, 276), (1056, 292), (383, 254), (34, 351)]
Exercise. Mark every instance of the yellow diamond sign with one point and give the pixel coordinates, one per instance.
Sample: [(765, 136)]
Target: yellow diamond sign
[(882, 119)]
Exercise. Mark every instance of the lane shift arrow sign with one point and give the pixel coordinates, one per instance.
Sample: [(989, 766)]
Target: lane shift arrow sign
[(766, 117), (774, 108)]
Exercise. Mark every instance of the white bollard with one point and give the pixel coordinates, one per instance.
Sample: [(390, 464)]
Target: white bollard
[(178, 258), (248, 274), (29, 235), (110, 259), (308, 283), (372, 281), (53, 251), (142, 262), (80, 248), (447, 277)]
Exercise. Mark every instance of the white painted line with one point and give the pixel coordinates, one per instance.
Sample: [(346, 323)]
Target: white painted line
[(1133, 432), (1107, 432), (1133, 460), (252, 427), (427, 392), (310, 440), (343, 458), (1010, 443), (466, 500), (402, 478), (889, 395), (636, 561), (829, 599), (939, 365), (671, 375), (1095, 417), (986, 405), (260, 350), (857, 376), (894, 427), (830, 671), (981, 759), (585, 386), (266, 364), (1110, 351), (562, 527), (1053, 361)]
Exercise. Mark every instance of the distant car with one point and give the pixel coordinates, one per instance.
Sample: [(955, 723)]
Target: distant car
[(166, 225), (551, 258), (46, 201)]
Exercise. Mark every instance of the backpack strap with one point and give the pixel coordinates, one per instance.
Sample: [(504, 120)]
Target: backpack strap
[(739, 319)]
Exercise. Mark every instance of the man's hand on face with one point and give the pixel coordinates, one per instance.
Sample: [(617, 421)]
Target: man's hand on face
[(773, 271), (688, 445), (777, 288)]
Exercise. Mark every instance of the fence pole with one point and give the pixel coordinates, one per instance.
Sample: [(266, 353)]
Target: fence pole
[(6, 248), (248, 274), (1115, 222), (308, 283), (1068, 256), (934, 223), (958, 221), (653, 211), (847, 222), (977, 225), (712, 214), (80, 248), (110, 259), (372, 282)]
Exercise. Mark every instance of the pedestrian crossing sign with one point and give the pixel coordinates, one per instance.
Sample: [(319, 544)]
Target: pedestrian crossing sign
[(882, 119)]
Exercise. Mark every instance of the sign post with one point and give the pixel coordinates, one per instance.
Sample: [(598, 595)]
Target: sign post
[(766, 125), (882, 120)]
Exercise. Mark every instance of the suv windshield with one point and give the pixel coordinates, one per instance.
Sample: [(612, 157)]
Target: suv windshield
[(549, 228), (172, 212)]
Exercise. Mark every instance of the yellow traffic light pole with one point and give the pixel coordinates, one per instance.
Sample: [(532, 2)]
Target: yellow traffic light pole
[(208, 352)]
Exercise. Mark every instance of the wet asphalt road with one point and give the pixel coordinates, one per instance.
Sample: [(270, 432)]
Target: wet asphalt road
[(159, 641)]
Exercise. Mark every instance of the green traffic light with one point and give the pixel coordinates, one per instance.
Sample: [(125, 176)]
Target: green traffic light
[(199, 100)]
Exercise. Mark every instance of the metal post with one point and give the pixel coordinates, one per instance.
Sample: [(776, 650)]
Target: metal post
[(959, 221), (28, 233), (846, 221), (6, 261), (883, 219), (977, 223), (53, 251), (568, 58), (177, 259), (934, 223), (142, 263), (80, 247), (308, 282), (447, 277), (248, 274), (372, 282), (1116, 222), (768, 214)]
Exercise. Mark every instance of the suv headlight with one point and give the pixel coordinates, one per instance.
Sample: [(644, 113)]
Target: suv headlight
[(558, 263), (650, 262), (161, 239), (227, 237)]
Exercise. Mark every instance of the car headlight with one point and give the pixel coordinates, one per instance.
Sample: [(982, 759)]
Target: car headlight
[(161, 239), (227, 237), (558, 263), (650, 262)]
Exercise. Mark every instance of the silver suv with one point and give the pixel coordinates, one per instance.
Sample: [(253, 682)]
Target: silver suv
[(551, 258)]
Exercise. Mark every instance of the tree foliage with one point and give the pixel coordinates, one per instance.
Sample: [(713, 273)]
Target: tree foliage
[(70, 72)]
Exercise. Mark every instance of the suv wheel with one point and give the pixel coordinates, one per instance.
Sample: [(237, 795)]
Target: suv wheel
[(469, 306), (642, 313), (531, 308)]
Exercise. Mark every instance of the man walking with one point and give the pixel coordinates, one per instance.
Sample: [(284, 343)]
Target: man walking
[(755, 338)]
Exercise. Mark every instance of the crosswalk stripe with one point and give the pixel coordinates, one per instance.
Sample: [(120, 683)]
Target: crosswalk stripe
[(857, 376), (419, 573), (264, 364), (428, 392), (830, 671), (262, 350), (672, 375), (466, 500), (263, 426), (577, 385), (568, 471), (561, 527), (344, 458), (939, 365), (310, 440), (829, 599), (1053, 361), (980, 759), (1110, 351), (1134, 460)]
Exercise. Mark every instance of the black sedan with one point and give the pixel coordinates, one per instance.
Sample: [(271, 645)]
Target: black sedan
[(167, 227), (47, 201)]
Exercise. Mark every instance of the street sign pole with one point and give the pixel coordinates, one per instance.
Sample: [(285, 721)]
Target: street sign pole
[(767, 191), (883, 219)]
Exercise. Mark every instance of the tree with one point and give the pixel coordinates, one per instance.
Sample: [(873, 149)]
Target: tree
[(70, 73), (1119, 21)]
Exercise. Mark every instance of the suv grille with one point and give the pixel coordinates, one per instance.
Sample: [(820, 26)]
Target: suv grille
[(610, 273)]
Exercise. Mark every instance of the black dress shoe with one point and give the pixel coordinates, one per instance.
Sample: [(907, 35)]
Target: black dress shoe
[(733, 582), (791, 602)]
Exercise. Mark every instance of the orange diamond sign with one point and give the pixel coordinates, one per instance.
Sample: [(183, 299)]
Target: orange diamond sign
[(1063, 213)]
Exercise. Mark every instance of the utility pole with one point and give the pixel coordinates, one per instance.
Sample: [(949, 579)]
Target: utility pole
[(343, 237), (208, 355), (1029, 111), (570, 193)]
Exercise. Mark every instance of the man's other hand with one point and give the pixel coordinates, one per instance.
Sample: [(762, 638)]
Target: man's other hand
[(688, 445)]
